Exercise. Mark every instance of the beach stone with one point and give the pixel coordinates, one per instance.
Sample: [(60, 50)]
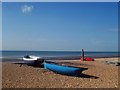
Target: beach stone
[(31, 77)]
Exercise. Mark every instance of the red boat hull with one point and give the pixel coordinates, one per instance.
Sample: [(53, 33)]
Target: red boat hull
[(87, 59)]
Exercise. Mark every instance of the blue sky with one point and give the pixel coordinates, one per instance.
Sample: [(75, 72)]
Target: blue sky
[(0, 27), (60, 26)]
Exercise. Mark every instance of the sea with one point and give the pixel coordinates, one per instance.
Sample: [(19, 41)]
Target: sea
[(14, 56)]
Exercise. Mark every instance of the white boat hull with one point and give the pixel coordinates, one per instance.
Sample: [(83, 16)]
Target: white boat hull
[(29, 62), (33, 60)]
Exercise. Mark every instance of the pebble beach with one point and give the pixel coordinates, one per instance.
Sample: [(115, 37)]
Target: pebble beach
[(98, 75)]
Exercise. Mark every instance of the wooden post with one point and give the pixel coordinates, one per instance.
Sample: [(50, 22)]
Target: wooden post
[(21, 64)]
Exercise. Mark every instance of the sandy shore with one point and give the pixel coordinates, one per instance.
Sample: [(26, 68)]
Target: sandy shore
[(98, 75)]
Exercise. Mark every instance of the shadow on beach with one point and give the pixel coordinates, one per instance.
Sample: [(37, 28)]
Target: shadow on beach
[(21, 64), (80, 75), (87, 76)]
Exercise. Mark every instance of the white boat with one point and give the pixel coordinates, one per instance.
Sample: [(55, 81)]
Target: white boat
[(31, 59)]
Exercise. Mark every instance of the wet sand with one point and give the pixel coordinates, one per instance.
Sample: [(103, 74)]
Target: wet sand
[(98, 75)]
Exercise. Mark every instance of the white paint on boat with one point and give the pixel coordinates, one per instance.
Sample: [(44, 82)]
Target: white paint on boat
[(31, 59)]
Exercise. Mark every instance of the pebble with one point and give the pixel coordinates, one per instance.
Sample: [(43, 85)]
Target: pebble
[(27, 77)]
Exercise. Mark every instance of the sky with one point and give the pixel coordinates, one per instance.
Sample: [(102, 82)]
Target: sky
[(60, 26), (60, 0), (0, 27)]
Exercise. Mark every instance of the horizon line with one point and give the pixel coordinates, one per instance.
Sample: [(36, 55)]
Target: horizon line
[(61, 50)]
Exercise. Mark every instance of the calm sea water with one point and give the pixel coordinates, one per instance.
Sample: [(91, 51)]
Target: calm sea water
[(17, 55)]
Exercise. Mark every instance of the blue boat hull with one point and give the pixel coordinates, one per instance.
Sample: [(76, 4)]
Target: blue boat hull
[(67, 70)]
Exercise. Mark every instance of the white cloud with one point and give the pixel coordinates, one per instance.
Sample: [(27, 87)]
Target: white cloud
[(27, 9)]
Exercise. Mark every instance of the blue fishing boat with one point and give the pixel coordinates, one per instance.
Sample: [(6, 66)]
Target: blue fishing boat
[(62, 69)]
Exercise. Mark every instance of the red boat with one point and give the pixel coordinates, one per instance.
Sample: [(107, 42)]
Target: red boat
[(87, 59)]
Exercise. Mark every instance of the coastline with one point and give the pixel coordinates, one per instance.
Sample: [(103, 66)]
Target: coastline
[(98, 75), (19, 59), (55, 55)]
